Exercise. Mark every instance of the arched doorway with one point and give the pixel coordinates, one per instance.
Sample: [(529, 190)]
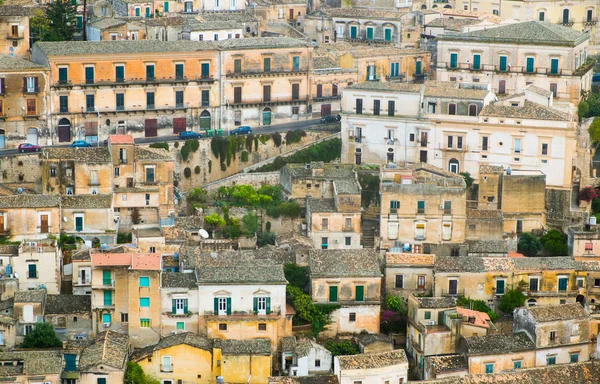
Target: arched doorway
[(32, 136), (205, 120), (580, 299), (64, 130), (531, 302), (423, 6), (266, 116), (448, 6), (453, 166)]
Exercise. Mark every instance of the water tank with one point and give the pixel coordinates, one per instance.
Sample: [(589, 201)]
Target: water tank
[(220, 380), (20, 191), (592, 220)]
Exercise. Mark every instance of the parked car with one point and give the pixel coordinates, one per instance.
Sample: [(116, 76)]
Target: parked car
[(26, 147), (80, 144), (328, 119), (187, 135), (243, 130)]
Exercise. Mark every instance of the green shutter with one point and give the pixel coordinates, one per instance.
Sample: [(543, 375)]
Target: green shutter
[(174, 307), (503, 63), (229, 305), (453, 60), (107, 298), (333, 293), (32, 271), (166, 8), (353, 32), (554, 66), (216, 305), (101, 380), (360, 293), (369, 33), (185, 306), (476, 61), (105, 277), (268, 305), (530, 64), (255, 304), (500, 287), (418, 68), (388, 35)]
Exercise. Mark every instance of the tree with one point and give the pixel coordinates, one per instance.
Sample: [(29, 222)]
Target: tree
[(42, 336), (290, 209), (250, 223), (39, 24), (468, 178), (554, 243), (513, 298), (62, 15), (583, 109), (394, 303), (214, 220), (528, 244), (136, 217), (136, 375), (296, 275), (342, 347), (594, 131)]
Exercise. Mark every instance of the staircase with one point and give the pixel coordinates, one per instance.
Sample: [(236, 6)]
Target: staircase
[(368, 233)]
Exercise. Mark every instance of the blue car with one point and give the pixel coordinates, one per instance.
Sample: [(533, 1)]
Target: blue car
[(187, 135), (80, 144), (243, 130)]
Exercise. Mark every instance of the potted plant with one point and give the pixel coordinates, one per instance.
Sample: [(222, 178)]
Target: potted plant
[(586, 195)]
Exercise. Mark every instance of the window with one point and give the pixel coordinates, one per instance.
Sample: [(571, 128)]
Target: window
[(574, 357), (124, 317), (222, 326), (144, 301), (421, 282), (371, 72), (552, 335), (31, 84), (120, 73), (551, 360), (541, 16), (295, 63), (533, 284), (500, 286), (144, 323), (360, 293), (149, 100), (477, 62), (149, 174), (589, 15), (317, 363), (222, 305), (359, 105), (530, 65), (472, 110), (32, 271), (166, 364), (89, 103), (575, 329), (544, 149), (484, 143), (352, 317), (348, 241), (179, 71), (450, 144), (266, 93), (376, 107), (178, 99), (517, 364), (399, 282), (205, 98), (596, 282), (180, 326), (120, 101), (63, 75), (427, 315), (489, 368), (420, 231), (64, 104), (517, 145), (179, 306), (106, 318), (454, 60), (205, 70), (267, 64), (295, 91), (563, 283), (89, 75), (579, 282), (554, 66), (150, 72), (391, 107), (452, 109), (262, 326), (421, 206), (394, 69), (324, 242)]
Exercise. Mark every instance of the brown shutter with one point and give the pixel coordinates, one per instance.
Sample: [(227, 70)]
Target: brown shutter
[(24, 84), (2, 86), (36, 89)]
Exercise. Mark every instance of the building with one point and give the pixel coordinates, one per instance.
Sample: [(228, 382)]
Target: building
[(328, 80), (28, 310), (126, 295), (374, 343), (445, 366), (422, 206), (313, 179), (408, 273), (317, 379), (89, 217), (243, 301), (561, 333), (201, 30), (336, 223), (304, 357), (248, 361), (105, 359), (372, 367), (14, 24), (38, 265), (179, 303), (24, 90), (30, 366), (352, 279), (552, 57), (112, 28), (81, 261), (496, 353), (70, 315), (30, 216)]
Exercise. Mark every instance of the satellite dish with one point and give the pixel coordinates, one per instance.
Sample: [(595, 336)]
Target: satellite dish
[(203, 233), (65, 219)]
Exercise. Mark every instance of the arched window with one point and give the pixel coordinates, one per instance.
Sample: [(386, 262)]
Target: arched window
[(453, 166), (205, 120)]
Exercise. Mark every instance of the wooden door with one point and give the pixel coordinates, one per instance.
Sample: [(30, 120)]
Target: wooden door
[(151, 128), (44, 223)]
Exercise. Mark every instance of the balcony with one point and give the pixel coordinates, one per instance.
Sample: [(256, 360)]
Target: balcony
[(562, 293), (327, 98), (120, 110), (457, 292), (510, 69), (106, 285), (14, 37), (275, 73), (126, 83), (83, 282), (270, 101), (567, 22), (369, 41), (588, 22), (166, 368), (347, 229), (274, 314)]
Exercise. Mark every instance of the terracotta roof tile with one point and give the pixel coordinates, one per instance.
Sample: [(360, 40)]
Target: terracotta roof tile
[(409, 259), (372, 360)]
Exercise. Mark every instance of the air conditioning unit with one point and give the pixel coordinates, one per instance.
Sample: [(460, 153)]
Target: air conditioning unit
[(337, 241), (106, 325), (431, 322), (441, 206)]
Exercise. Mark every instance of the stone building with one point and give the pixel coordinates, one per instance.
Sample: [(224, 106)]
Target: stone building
[(372, 367), (29, 216), (28, 310), (71, 316), (304, 357), (105, 359), (30, 366), (495, 353), (179, 303), (408, 273), (313, 179), (14, 26)]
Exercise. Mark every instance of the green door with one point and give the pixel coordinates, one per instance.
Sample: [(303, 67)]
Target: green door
[(500, 287), (562, 284), (137, 12), (503, 61), (333, 293), (147, 12), (32, 269), (166, 7), (554, 66), (453, 60), (477, 62), (79, 223), (106, 278), (388, 35), (353, 32), (205, 120), (107, 298), (267, 117), (369, 33), (360, 293), (418, 68), (530, 65)]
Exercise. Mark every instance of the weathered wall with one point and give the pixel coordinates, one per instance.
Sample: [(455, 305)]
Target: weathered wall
[(256, 180)]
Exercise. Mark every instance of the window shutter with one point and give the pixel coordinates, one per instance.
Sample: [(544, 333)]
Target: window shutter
[(173, 306), (229, 305), (185, 306), (35, 84), (268, 305), (24, 84), (2, 86), (216, 305), (255, 304)]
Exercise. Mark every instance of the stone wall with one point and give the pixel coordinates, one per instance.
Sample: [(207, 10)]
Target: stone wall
[(24, 170), (256, 180)]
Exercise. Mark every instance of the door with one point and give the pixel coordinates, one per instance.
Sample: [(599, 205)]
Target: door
[(388, 34), (421, 282), (32, 136), (565, 16), (79, 223), (150, 127), (562, 284), (502, 87), (107, 298), (267, 116), (423, 156), (554, 89), (179, 124), (291, 14), (452, 287), (453, 166), (64, 131), (530, 65), (325, 110), (166, 6), (353, 31), (503, 62), (418, 68), (358, 159), (44, 223), (424, 139), (205, 120), (369, 33)]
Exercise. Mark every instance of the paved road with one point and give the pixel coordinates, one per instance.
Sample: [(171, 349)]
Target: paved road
[(301, 124)]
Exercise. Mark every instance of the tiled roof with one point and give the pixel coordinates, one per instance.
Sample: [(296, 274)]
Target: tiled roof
[(111, 259), (347, 186), (15, 10), (239, 16), (448, 364), (436, 302), (213, 25), (179, 280), (488, 246), (7, 304), (529, 110), (34, 363), (187, 338), (453, 90), (8, 249), (82, 155), (243, 347), (71, 48), (241, 273), (67, 304), (288, 343), (87, 201), (538, 90), (152, 154), (481, 319), (30, 201), (344, 262), (498, 344), (110, 348), (32, 296), (165, 21), (330, 171), (502, 264), (11, 62), (317, 379), (107, 22), (324, 62), (561, 312), (137, 261), (369, 13), (411, 259), (320, 205), (372, 338), (451, 24), (372, 360), (146, 261), (121, 139), (262, 43), (387, 86), (529, 32)]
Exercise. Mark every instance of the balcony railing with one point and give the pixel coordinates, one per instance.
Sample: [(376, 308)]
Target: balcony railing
[(538, 293), (457, 292), (588, 22), (270, 101), (272, 73), (566, 22), (166, 368), (14, 37), (508, 69), (120, 82), (273, 312)]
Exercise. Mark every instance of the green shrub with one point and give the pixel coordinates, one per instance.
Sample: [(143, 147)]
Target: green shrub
[(197, 170), (554, 243), (160, 145), (294, 136), (342, 347), (42, 336), (325, 151), (528, 244), (394, 303), (249, 140), (176, 144), (244, 156), (187, 172), (223, 167), (468, 179), (185, 153), (296, 275), (136, 375), (596, 205), (268, 226), (250, 223), (265, 238), (276, 138), (255, 143), (513, 298), (124, 238)]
